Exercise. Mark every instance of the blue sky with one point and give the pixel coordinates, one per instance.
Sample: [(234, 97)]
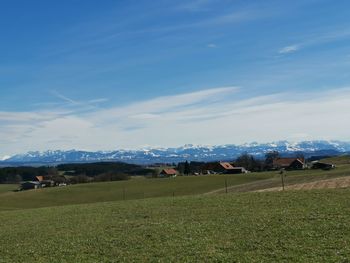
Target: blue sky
[(124, 74)]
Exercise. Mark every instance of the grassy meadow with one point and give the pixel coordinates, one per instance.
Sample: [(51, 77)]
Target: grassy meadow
[(6, 188), (249, 227), (137, 188), (273, 179), (141, 187), (183, 219)]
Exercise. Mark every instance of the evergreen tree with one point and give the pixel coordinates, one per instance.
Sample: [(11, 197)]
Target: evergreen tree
[(187, 168)]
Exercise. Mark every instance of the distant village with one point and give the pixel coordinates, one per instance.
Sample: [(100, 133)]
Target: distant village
[(67, 174), (197, 168)]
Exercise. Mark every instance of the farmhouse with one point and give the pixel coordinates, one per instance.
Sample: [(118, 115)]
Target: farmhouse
[(50, 181), (289, 163), (170, 172), (45, 181), (220, 168)]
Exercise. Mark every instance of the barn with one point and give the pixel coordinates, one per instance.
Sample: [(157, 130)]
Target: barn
[(218, 168)]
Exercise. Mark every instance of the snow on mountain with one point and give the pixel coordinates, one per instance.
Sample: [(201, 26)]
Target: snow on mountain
[(6, 157), (186, 152)]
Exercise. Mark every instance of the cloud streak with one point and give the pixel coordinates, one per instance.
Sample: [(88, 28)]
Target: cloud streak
[(333, 35), (289, 49), (212, 116), (70, 105)]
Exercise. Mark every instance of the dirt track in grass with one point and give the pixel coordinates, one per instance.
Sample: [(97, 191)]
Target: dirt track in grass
[(342, 182)]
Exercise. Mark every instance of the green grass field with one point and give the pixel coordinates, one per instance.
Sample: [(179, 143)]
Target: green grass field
[(140, 188), (5, 188), (141, 221), (273, 179), (339, 160), (113, 191), (250, 227)]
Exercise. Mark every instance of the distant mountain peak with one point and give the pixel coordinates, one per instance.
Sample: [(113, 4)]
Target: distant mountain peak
[(4, 158), (187, 152)]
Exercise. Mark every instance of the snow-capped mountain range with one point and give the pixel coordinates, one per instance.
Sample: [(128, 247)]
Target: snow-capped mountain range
[(187, 152)]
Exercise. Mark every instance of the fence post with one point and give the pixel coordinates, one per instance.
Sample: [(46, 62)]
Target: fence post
[(226, 185), (282, 178)]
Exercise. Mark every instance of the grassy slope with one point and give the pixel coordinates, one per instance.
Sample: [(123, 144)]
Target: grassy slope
[(113, 191), (291, 178), (145, 188), (299, 226), (338, 160), (4, 188)]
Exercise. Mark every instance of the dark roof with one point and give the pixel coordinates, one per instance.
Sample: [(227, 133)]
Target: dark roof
[(318, 162), (285, 162), (31, 182)]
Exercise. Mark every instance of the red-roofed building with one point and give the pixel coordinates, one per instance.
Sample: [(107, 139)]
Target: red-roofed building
[(39, 178), (169, 172), (219, 167), (45, 181)]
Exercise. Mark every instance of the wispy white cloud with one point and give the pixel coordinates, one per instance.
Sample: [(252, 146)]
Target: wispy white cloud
[(99, 41), (213, 116), (100, 100), (64, 98), (226, 18), (289, 49), (332, 35), (76, 105), (157, 107), (28, 117)]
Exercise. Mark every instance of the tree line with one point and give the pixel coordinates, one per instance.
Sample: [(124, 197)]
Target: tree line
[(24, 173), (75, 173)]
